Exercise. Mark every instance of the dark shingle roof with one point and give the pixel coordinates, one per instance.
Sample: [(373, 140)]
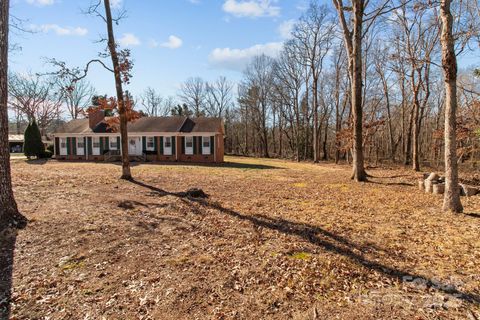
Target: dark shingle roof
[(202, 124), (149, 124), (156, 124)]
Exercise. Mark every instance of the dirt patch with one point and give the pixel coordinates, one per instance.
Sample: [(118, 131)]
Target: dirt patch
[(273, 240)]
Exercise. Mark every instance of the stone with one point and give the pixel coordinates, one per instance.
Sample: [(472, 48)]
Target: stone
[(421, 185), (468, 190), (438, 188), (428, 186), (433, 177)]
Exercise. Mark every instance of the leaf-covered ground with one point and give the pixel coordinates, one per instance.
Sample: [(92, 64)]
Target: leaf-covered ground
[(274, 240)]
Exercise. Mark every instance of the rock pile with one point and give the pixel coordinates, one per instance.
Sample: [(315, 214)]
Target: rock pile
[(433, 183)]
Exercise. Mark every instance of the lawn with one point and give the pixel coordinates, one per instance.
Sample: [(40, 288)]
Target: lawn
[(274, 240)]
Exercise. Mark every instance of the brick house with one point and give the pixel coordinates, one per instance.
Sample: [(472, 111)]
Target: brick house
[(149, 138)]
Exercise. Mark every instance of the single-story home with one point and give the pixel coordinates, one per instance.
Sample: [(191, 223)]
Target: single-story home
[(175, 138)]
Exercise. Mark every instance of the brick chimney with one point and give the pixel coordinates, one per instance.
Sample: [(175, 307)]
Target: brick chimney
[(95, 117)]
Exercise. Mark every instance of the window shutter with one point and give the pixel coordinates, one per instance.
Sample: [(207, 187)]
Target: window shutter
[(101, 145), (174, 142), (155, 142), (195, 145), (57, 146), (144, 144), (183, 145), (212, 145), (74, 146), (89, 145), (68, 146), (107, 143), (161, 145), (118, 144)]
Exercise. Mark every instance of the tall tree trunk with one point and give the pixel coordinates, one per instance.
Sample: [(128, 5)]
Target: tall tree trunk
[(359, 173), (126, 174), (451, 201), (315, 118), (9, 214)]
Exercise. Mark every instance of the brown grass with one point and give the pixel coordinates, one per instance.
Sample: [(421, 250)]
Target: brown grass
[(274, 240)]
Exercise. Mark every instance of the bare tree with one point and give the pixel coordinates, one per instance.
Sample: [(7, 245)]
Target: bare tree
[(353, 33), (121, 67), (76, 96), (451, 201), (193, 94), (255, 94), (218, 97), (152, 102), (34, 97), (9, 214), (314, 33)]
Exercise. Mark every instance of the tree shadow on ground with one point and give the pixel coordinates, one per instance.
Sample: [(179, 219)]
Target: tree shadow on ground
[(228, 164), (405, 184), (8, 238), (330, 242), (473, 215), (37, 161)]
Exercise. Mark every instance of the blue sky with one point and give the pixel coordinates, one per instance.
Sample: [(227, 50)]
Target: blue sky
[(170, 40)]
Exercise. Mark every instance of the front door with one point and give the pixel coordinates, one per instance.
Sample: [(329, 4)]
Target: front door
[(135, 146)]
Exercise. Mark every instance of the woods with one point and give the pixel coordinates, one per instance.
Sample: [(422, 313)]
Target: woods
[(370, 89)]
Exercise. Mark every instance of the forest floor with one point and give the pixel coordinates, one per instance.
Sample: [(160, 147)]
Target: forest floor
[(274, 240)]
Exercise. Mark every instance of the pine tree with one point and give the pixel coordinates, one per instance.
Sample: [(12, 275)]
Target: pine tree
[(33, 145)]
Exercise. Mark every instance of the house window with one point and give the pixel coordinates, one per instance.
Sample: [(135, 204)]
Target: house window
[(113, 143), (63, 146), (188, 145), (167, 146), (205, 145), (80, 147), (96, 146), (150, 143)]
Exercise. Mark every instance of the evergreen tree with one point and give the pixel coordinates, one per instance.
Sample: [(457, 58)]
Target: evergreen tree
[(33, 145)]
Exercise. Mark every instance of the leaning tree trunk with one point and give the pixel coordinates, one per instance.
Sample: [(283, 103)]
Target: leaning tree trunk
[(451, 201), (9, 215), (126, 174)]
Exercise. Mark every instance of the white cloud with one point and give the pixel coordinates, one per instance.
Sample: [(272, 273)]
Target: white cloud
[(129, 40), (237, 59), (41, 3), (61, 31), (116, 3), (173, 42), (251, 8), (152, 43), (285, 29)]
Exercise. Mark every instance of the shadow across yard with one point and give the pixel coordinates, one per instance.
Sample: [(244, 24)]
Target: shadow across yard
[(327, 241), (8, 238)]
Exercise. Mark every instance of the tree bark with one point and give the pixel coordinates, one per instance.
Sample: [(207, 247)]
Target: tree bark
[(451, 200), (359, 173), (315, 116), (9, 214), (126, 174)]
